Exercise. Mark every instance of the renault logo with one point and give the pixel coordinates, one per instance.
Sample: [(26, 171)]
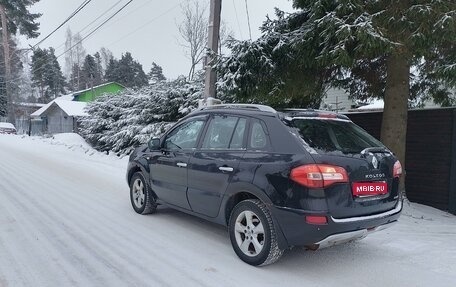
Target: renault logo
[(374, 162)]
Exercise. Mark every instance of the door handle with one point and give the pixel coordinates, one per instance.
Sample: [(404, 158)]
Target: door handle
[(226, 168), (181, 164)]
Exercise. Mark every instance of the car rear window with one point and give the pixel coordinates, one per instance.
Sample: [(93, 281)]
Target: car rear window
[(329, 135)]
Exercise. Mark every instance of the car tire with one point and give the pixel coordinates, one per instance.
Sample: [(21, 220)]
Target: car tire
[(141, 196), (252, 233)]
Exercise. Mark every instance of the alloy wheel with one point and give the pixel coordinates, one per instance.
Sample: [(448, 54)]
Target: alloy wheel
[(249, 233), (138, 193)]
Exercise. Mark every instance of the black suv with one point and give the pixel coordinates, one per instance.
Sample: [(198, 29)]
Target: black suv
[(276, 179)]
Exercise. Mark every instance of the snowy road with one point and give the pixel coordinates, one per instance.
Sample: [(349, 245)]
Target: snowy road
[(66, 220)]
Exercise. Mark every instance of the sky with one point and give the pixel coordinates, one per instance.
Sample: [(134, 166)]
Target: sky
[(146, 28)]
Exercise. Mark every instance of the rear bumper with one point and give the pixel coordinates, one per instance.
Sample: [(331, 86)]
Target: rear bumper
[(297, 232), (349, 236)]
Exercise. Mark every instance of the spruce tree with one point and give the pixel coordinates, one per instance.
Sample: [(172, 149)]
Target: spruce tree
[(47, 75), (111, 73), (123, 121), (155, 74), (91, 71), (126, 71)]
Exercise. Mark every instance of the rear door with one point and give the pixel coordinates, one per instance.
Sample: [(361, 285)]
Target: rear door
[(372, 187), (214, 165)]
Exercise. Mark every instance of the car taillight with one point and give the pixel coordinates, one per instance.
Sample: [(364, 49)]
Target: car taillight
[(397, 169), (318, 175), (316, 219)]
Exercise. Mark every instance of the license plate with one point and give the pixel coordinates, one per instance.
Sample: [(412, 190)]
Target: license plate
[(369, 188)]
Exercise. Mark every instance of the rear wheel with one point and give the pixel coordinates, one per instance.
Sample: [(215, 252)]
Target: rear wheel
[(141, 196), (252, 233)]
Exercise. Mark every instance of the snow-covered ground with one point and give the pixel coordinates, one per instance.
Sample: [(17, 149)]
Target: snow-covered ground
[(66, 220)]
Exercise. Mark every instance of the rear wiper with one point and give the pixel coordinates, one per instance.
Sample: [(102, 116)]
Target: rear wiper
[(375, 150)]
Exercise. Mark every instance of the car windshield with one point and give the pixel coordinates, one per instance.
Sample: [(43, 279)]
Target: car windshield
[(329, 135)]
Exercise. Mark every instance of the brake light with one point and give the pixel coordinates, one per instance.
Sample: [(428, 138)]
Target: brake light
[(316, 219), (397, 169), (318, 175)]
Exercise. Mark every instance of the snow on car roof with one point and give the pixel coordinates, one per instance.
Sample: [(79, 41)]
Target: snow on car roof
[(7, 126)]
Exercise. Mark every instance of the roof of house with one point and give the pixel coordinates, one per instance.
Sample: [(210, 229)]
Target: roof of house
[(95, 87), (375, 105), (70, 108), (32, 105)]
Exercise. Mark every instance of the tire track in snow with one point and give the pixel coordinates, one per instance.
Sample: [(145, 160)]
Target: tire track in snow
[(104, 229), (55, 195)]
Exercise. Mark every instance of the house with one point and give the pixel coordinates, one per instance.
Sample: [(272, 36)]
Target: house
[(337, 100), (59, 116), (91, 94), (22, 111), (62, 114)]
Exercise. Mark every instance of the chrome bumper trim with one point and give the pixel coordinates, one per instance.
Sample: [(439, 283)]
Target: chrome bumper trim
[(350, 236), (397, 209)]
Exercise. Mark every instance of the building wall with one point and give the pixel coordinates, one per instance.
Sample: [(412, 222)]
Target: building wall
[(57, 121), (337, 100), (90, 95)]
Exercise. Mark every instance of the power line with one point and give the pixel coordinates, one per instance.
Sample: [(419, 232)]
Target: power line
[(148, 2), (144, 25), (104, 13), (85, 37), (237, 20), (97, 18), (96, 29), (248, 19), (83, 4), (99, 26)]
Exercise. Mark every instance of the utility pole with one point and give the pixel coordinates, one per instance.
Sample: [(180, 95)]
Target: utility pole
[(212, 44), (6, 53)]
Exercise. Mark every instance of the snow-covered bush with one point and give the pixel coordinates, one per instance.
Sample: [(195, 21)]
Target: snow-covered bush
[(121, 122)]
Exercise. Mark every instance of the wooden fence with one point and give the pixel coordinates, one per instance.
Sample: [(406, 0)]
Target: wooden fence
[(430, 156)]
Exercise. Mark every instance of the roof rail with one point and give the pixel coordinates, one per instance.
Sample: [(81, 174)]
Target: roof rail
[(262, 108)]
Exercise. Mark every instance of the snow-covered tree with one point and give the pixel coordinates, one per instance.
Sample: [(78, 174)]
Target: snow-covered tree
[(70, 54), (91, 74), (123, 121), (18, 83), (19, 19), (106, 56), (126, 71), (155, 74), (260, 72), (46, 74)]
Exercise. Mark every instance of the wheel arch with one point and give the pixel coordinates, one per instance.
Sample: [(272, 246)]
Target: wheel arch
[(137, 167), (239, 192)]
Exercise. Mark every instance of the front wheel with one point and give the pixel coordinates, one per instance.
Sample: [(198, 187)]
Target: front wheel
[(141, 196), (252, 233)]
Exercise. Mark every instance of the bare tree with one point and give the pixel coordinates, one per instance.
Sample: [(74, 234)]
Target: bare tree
[(106, 56), (193, 31), (70, 55)]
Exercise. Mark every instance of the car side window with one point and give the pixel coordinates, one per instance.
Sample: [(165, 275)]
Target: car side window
[(225, 132), (237, 140), (185, 136), (258, 137)]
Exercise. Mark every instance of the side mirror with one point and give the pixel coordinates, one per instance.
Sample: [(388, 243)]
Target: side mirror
[(154, 144)]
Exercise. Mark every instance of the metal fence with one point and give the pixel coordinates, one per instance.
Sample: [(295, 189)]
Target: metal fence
[(430, 160)]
